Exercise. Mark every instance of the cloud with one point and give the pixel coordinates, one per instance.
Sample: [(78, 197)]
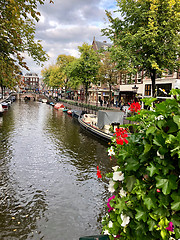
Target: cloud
[(67, 24)]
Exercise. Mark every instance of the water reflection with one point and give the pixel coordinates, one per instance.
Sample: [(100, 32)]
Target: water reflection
[(48, 183), (20, 206)]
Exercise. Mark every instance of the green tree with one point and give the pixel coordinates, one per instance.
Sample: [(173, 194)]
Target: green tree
[(56, 78), (146, 36), (84, 70), (108, 73), (46, 72), (17, 36), (63, 62)]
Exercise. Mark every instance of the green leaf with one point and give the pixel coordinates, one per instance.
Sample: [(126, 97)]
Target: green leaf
[(163, 233), (152, 169), (167, 184), (163, 150), (151, 224), (160, 123), (154, 216), (177, 233), (120, 205), (151, 130), (141, 214), (172, 126), (119, 219), (159, 140), (130, 181), (176, 220), (147, 147), (132, 164), (150, 201), (175, 206), (176, 119)]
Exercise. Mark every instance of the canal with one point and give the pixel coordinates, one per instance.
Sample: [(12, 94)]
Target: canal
[(48, 184)]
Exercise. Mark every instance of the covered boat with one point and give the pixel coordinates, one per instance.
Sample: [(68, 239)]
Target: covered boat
[(102, 123)]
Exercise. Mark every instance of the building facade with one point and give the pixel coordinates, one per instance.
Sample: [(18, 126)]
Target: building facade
[(31, 81), (134, 87)]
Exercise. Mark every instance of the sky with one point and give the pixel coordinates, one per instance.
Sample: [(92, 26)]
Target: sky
[(67, 24)]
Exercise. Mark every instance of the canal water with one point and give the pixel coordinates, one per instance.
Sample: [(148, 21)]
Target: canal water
[(48, 184)]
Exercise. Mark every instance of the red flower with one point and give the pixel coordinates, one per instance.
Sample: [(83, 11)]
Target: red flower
[(158, 190), (99, 172), (121, 135), (134, 107)]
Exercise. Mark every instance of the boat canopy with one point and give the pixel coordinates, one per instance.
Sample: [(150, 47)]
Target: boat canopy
[(107, 117)]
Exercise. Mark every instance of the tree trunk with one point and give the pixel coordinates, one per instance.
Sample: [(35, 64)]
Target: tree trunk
[(153, 81), (110, 94), (86, 92)]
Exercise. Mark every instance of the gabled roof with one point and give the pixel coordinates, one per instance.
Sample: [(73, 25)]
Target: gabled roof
[(97, 45)]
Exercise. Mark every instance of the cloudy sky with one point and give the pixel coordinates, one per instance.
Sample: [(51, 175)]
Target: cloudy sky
[(67, 24)]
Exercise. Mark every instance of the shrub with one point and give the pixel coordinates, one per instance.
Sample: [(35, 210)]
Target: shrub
[(145, 201)]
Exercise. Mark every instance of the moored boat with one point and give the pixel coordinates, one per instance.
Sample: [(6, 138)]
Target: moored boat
[(102, 124), (5, 105), (69, 112), (77, 113), (59, 106), (1, 110), (44, 100)]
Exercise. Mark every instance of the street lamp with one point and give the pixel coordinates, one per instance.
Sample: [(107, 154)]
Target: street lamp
[(135, 88)]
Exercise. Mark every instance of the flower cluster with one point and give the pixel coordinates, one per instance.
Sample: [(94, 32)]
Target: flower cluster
[(108, 204), (111, 151), (99, 172), (134, 107), (121, 135), (170, 227), (144, 202)]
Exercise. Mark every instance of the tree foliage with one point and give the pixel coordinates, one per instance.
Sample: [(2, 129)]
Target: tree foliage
[(17, 31), (63, 62), (55, 76), (107, 72), (145, 36), (84, 70)]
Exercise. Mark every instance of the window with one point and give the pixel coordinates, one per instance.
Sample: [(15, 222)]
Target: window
[(123, 78), (139, 76), (163, 90), (99, 84), (147, 90)]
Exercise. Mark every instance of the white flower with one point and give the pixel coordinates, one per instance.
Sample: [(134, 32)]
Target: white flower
[(118, 176), (111, 151), (106, 232), (159, 155), (110, 224), (122, 193), (160, 117), (115, 168), (125, 219), (111, 186)]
